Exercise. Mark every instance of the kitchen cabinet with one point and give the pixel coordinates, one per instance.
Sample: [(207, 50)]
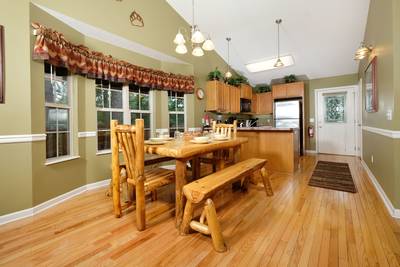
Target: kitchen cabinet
[(234, 99), (246, 91), (222, 97), (254, 104), (215, 96), (264, 103), (288, 90), (226, 98)]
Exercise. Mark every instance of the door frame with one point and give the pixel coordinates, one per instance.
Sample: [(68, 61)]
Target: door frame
[(356, 110), (359, 126)]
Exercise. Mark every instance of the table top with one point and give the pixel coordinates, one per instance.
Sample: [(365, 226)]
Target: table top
[(186, 149)]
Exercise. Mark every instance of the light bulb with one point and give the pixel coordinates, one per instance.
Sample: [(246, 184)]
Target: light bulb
[(181, 49), (208, 45), (197, 51), (228, 74), (197, 36), (179, 39), (279, 63)]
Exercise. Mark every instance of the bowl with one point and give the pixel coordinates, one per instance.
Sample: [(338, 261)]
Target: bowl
[(201, 138), (219, 136)]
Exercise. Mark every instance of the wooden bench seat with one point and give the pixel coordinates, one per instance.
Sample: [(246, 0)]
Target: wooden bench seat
[(204, 188)]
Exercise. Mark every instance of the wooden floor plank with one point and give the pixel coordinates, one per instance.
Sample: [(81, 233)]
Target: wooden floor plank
[(299, 226)]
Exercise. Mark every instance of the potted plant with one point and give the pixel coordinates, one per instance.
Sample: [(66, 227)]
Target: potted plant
[(290, 78), (215, 75), (240, 79), (262, 88), (233, 81)]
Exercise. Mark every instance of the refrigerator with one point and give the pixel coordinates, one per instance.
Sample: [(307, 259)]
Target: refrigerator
[(288, 113)]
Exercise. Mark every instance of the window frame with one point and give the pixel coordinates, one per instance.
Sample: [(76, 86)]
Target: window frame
[(69, 107), (140, 111), (126, 113), (176, 112)]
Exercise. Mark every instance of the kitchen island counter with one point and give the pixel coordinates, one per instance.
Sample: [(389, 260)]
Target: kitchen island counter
[(280, 146)]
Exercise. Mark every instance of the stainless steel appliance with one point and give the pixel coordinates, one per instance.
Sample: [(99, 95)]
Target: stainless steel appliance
[(288, 113)]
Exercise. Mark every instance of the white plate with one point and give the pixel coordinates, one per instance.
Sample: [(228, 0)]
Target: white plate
[(160, 139), (221, 139), (200, 142), (150, 142)]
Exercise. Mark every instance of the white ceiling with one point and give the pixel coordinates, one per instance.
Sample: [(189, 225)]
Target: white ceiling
[(321, 35)]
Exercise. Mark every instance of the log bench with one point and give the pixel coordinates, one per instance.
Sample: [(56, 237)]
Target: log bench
[(204, 188)]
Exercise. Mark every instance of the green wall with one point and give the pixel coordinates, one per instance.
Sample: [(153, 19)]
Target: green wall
[(383, 33), (25, 178), (310, 87)]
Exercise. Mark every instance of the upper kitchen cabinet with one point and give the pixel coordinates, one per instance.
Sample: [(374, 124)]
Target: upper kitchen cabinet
[(246, 91), (215, 96), (222, 97), (254, 103), (234, 96), (264, 103), (288, 90)]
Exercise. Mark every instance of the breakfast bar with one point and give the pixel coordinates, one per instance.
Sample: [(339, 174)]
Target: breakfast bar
[(280, 146)]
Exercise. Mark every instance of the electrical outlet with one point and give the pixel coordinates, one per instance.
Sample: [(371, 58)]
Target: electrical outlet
[(372, 158)]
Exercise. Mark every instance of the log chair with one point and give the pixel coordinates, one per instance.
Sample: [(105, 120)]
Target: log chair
[(130, 138)]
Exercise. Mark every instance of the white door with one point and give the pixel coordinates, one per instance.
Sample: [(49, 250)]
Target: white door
[(336, 122)]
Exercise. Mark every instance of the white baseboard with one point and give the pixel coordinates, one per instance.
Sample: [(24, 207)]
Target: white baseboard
[(392, 210), (311, 152), (51, 203)]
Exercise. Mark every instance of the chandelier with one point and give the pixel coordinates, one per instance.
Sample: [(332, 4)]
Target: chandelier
[(197, 39)]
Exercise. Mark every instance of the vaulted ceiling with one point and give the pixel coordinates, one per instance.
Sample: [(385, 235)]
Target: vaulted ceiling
[(321, 35)]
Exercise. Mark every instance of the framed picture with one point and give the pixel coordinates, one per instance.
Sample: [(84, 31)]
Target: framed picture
[(2, 75), (371, 94)]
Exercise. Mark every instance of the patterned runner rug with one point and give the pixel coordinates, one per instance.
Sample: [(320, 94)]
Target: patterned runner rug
[(333, 175)]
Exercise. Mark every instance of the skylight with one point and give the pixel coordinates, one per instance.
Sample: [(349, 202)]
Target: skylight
[(269, 64)]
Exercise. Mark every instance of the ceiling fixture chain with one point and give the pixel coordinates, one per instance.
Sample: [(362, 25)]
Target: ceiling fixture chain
[(228, 74), (279, 62)]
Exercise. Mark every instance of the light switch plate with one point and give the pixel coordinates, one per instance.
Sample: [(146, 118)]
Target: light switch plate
[(389, 114), (312, 120)]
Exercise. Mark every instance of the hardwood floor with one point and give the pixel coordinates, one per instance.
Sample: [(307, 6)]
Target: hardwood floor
[(299, 226)]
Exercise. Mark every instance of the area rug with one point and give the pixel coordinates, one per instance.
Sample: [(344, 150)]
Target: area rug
[(333, 175)]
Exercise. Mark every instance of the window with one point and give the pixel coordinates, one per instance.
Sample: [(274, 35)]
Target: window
[(139, 107), (114, 101), (109, 107), (176, 108), (58, 112)]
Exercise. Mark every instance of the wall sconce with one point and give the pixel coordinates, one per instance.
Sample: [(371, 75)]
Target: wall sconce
[(362, 51)]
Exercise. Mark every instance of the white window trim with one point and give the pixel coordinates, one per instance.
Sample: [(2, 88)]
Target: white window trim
[(180, 112), (71, 105), (126, 111)]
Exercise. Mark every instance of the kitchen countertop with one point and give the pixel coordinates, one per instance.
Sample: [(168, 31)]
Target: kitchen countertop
[(265, 129)]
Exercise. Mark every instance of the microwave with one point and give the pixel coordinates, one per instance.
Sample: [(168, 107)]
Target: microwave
[(245, 105)]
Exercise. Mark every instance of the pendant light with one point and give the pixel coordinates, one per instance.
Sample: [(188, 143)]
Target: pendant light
[(197, 39), (278, 63), (228, 74)]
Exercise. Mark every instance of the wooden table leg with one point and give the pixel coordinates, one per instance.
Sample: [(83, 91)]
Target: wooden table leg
[(236, 154), (196, 168), (180, 181), (220, 160)]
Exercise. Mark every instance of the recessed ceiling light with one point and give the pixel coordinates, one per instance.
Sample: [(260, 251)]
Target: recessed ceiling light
[(269, 64)]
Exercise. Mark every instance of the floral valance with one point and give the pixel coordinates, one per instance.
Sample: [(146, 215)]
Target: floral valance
[(51, 46)]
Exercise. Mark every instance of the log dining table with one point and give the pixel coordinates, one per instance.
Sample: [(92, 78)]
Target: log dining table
[(184, 151)]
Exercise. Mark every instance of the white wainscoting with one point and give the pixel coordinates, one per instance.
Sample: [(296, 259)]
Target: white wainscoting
[(392, 210), (384, 132), (21, 138), (87, 134), (51, 203)]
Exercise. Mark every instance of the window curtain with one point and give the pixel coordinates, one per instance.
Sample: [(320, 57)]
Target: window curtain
[(51, 46)]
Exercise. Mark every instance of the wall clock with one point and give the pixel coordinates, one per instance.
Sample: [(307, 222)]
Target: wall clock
[(200, 93)]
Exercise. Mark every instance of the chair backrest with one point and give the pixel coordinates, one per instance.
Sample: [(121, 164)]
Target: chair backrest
[(225, 129), (130, 139)]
